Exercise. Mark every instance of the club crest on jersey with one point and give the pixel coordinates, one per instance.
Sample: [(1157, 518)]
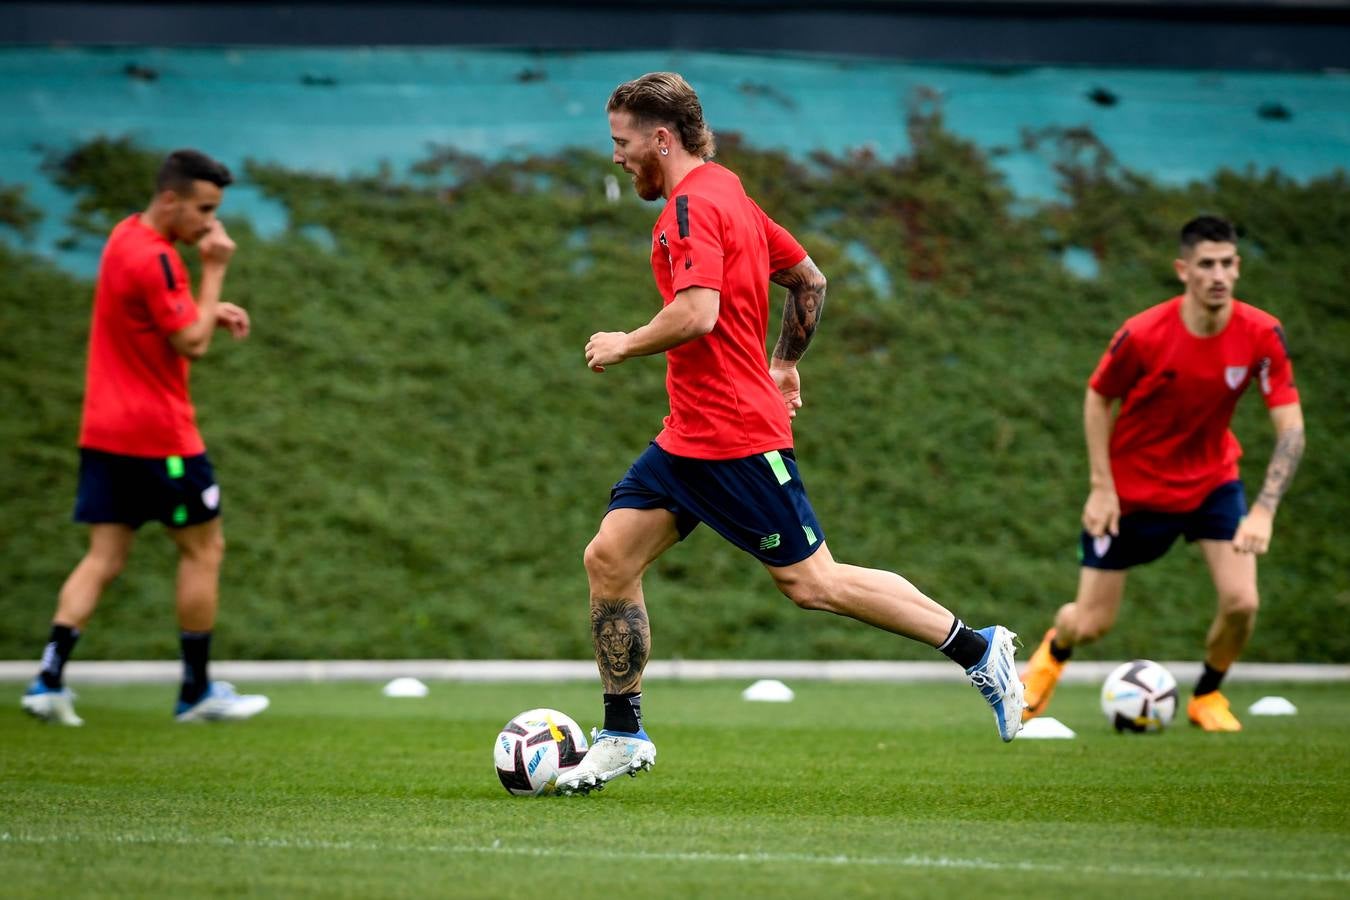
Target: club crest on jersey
[(1233, 376)]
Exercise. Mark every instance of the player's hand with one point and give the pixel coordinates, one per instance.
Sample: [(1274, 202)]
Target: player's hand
[(1101, 513), (232, 318), (216, 247), (1253, 533), (606, 348), (789, 384)]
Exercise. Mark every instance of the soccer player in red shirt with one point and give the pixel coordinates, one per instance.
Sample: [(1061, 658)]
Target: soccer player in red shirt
[(1163, 462), (141, 456), (725, 454)]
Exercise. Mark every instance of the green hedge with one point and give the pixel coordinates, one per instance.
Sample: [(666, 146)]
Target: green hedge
[(414, 455)]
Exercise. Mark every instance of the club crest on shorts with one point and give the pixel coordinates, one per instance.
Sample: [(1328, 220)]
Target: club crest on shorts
[(211, 497), (1101, 544), (1233, 376)]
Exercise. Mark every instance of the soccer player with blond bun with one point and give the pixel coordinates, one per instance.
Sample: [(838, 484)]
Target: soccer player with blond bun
[(141, 456), (1164, 463), (725, 455)]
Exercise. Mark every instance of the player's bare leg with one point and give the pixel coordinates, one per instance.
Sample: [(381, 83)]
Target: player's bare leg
[(47, 698), (1234, 576), (882, 599), (109, 547), (889, 601), (201, 551), (1095, 607), (1090, 616), (629, 540)]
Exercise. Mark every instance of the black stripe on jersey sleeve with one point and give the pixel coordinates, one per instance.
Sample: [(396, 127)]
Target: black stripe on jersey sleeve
[(168, 272), (682, 214), (1284, 341), (1120, 340)]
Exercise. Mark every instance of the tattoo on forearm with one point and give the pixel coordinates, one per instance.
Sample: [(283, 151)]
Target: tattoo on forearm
[(622, 639), (1283, 463), (801, 310)]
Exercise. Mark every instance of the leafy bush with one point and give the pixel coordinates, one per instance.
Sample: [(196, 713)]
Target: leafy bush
[(414, 455)]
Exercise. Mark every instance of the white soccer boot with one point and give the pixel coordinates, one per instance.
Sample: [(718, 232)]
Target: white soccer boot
[(612, 753), (221, 703), (51, 705), (996, 677)]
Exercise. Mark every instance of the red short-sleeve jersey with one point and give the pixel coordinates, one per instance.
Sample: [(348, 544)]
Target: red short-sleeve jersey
[(136, 399), (1171, 444), (723, 402)]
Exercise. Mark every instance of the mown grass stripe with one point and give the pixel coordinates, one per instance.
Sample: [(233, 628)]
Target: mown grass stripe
[(911, 861)]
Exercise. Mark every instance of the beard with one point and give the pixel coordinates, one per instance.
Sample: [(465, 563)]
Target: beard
[(647, 178)]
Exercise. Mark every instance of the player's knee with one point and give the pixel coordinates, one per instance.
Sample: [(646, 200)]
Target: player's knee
[(107, 564), (806, 592), (209, 550), (108, 569), (1087, 630), (605, 565), (1239, 605)]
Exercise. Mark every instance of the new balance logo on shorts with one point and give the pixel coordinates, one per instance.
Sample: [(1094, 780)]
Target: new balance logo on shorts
[(770, 541)]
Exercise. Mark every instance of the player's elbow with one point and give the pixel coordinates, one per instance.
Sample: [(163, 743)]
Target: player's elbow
[(191, 346), (193, 351), (699, 318), (703, 323)]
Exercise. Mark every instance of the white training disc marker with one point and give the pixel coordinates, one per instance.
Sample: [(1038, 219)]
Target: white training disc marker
[(1045, 728), (405, 687), (1272, 706), (768, 690)]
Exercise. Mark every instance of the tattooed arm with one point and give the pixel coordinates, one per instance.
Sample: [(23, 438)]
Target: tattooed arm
[(801, 314), (801, 311), (1253, 535)]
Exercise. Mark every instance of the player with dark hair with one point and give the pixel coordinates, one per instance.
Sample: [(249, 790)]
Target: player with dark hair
[(141, 456), (1164, 463), (181, 170), (725, 455)]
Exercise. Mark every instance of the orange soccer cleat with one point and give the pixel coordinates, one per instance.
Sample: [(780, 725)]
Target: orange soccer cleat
[(1040, 677), (1210, 711)]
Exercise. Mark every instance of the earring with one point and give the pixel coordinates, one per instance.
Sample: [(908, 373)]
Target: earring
[(665, 151)]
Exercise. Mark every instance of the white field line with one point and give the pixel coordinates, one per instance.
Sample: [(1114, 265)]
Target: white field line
[(507, 670), (910, 861)]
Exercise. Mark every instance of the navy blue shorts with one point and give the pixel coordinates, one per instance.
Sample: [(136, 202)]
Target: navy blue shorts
[(1145, 535), (132, 490), (757, 502)]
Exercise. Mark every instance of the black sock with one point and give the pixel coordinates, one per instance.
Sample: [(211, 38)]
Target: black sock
[(56, 653), (1209, 681), (1061, 654), (196, 652), (623, 712), (963, 646)]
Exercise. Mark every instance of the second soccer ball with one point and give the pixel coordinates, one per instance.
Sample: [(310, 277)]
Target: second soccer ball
[(1139, 696)]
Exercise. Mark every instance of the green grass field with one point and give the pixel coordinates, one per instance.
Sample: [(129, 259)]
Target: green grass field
[(852, 790)]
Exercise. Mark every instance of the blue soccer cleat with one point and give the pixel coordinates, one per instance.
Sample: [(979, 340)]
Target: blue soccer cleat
[(221, 703), (996, 677), (612, 753), (51, 704)]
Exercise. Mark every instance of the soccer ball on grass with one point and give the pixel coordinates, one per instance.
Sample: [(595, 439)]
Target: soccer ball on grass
[(1139, 696), (534, 748)]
